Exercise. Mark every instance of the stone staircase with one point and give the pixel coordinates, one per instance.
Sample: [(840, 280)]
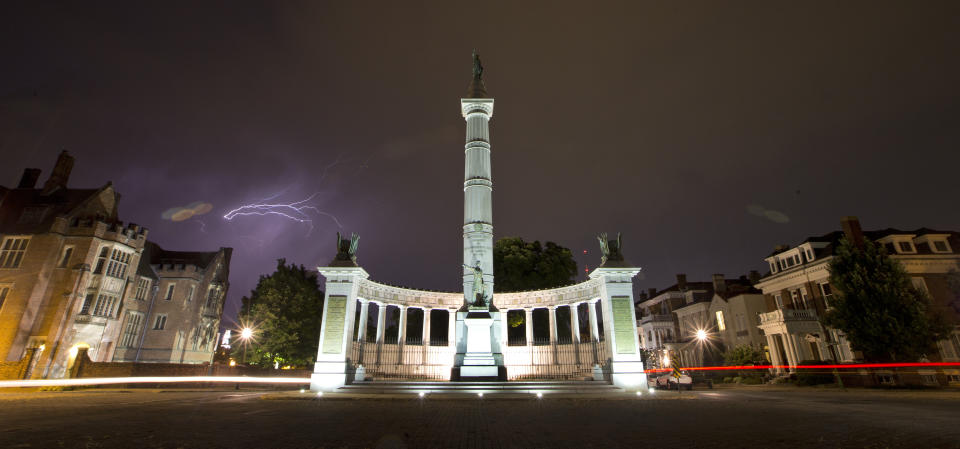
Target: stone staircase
[(487, 388)]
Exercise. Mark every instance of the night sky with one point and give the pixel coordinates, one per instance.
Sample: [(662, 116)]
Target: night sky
[(706, 133)]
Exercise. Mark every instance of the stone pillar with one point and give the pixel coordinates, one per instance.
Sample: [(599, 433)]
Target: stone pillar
[(620, 338), (774, 356), (426, 327), (362, 326), (402, 326), (381, 317), (553, 324), (575, 323), (528, 324), (452, 327), (336, 329), (594, 328)]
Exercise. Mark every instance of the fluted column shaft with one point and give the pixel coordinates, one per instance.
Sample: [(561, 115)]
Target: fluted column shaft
[(426, 327), (402, 326), (381, 317), (528, 324), (553, 324), (575, 323), (451, 327), (594, 328), (362, 326)]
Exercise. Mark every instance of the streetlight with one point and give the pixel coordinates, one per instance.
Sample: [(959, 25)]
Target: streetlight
[(245, 335), (701, 335)]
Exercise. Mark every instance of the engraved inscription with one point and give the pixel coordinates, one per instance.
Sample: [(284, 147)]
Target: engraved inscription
[(333, 336), (623, 327)]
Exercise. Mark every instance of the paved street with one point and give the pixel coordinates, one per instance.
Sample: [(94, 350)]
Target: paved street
[(722, 418)]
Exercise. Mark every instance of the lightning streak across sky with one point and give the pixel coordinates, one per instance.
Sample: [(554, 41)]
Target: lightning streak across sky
[(300, 211)]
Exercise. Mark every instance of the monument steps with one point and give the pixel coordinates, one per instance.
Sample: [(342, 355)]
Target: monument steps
[(515, 387)]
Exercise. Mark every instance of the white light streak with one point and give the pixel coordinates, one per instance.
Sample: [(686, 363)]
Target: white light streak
[(147, 380)]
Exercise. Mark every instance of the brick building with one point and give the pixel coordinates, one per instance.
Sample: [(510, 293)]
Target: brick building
[(70, 272)]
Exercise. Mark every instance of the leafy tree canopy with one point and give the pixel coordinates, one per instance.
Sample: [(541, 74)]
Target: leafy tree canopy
[(520, 265), (878, 308), (285, 310)]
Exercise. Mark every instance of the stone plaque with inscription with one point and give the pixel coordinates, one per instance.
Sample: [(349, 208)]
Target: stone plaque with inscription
[(333, 337), (624, 328)]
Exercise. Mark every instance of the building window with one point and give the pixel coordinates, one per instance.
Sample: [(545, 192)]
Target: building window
[(143, 285), (940, 246), (169, 291), (160, 323), (805, 298), (919, 284), (4, 291), (809, 255), (773, 267), (119, 261), (11, 252), (795, 298), (779, 299), (827, 294), (905, 247), (132, 329), (101, 260), (87, 302), (720, 324), (193, 288), (105, 306), (65, 258), (796, 259), (211, 298)]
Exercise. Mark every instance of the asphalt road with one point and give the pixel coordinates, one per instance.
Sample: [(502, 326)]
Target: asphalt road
[(723, 418)]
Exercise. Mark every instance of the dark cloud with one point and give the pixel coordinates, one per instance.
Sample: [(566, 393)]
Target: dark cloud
[(659, 120)]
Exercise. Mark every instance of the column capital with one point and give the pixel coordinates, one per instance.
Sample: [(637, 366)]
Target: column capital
[(552, 307), (402, 306), (528, 309), (363, 301), (594, 300)]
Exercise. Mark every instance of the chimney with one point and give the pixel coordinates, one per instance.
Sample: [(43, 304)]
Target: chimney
[(29, 178), (719, 284), (61, 173), (852, 230), (681, 281), (781, 248), (754, 277), (652, 292)]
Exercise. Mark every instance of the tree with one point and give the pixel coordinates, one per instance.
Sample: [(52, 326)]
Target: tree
[(520, 265), (285, 310), (878, 308)]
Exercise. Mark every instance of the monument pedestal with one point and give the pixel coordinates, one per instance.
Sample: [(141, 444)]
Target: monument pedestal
[(478, 360)]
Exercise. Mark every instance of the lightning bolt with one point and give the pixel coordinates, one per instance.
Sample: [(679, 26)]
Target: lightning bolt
[(299, 211)]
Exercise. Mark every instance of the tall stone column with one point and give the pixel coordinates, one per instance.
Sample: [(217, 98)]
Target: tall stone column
[(575, 323), (774, 353), (477, 110), (362, 326), (553, 324), (402, 326), (426, 327), (381, 317), (528, 325), (452, 327), (592, 313)]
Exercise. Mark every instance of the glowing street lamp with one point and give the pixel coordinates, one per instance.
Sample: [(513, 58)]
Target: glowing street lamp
[(245, 335), (701, 335)]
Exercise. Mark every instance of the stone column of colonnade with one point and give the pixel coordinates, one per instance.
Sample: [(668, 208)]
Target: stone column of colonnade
[(402, 326), (451, 327), (528, 324), (362, 326), (381, 318), (592, 312)]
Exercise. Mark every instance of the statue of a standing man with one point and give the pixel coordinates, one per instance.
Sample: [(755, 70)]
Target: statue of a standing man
[(478, 288)]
